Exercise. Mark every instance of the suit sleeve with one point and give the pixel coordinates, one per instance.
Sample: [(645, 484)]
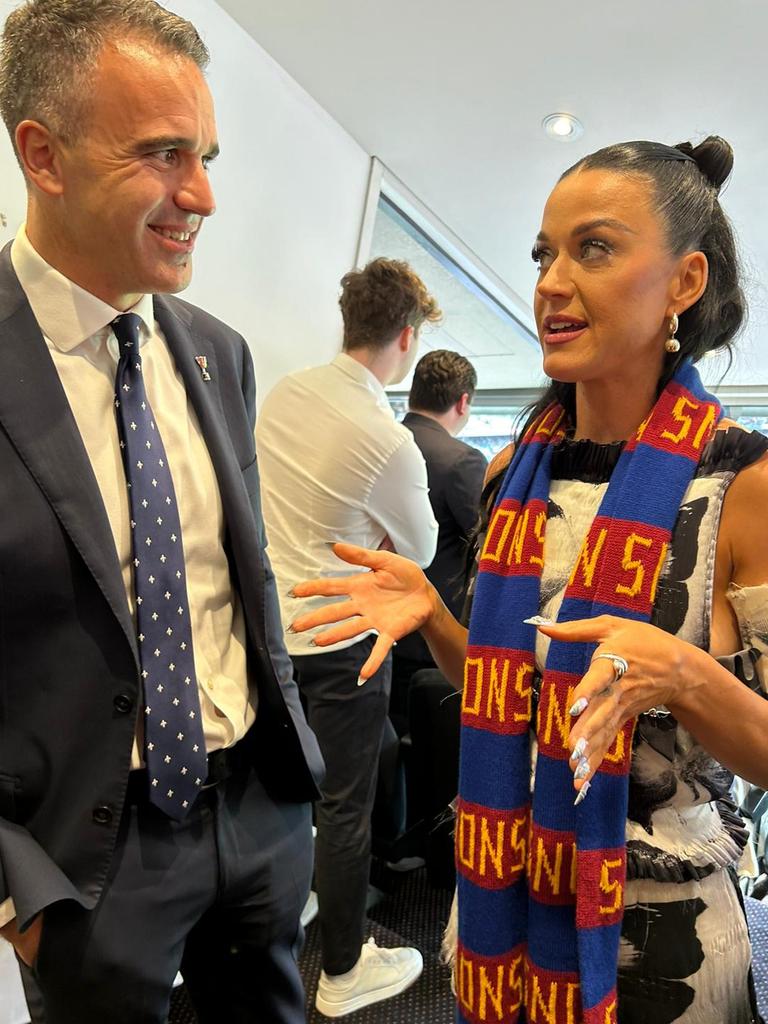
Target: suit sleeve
[(463, 494)]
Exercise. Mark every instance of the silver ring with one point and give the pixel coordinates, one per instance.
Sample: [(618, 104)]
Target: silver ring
[(620, 666)]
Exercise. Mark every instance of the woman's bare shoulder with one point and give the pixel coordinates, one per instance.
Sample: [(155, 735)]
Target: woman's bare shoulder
[(499, 462)]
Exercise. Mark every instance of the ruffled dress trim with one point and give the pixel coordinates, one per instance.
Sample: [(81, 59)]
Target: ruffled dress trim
[(713, 838)]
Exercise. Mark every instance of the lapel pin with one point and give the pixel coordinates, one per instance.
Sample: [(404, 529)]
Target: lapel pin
[(202, 362)]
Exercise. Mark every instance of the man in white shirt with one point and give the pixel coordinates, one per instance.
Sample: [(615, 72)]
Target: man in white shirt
[(156, 770), (336, 466)]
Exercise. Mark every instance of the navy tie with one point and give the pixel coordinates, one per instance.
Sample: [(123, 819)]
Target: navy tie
[(174, 744)]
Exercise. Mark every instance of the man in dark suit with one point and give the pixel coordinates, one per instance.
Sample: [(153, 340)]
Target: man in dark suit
[(155, 765), (424, 704), (439, 403)]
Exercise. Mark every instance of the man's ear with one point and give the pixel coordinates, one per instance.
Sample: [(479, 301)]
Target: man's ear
[(406, 339), (463, 404), (689, 283), (38, 150)]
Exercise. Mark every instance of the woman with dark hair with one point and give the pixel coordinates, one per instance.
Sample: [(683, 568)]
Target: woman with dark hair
[(618, 628)]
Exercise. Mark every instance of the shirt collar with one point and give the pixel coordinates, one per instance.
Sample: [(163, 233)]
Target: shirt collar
[(66, 313), (363, 375)]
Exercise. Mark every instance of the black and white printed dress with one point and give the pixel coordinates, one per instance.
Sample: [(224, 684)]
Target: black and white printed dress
[(685, 952)]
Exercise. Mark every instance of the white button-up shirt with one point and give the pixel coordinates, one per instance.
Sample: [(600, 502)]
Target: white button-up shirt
[(336, 466)]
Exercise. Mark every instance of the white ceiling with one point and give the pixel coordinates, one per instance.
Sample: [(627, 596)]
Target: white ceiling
[(450, 96)]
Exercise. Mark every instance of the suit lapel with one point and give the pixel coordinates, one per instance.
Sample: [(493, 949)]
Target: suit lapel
[(206, 397), (36, 416)]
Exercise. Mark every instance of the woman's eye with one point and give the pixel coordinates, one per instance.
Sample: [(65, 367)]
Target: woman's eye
[(541, 256), (593, 247)]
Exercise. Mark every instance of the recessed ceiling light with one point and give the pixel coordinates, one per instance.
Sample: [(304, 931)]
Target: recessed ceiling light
[(563, 127)]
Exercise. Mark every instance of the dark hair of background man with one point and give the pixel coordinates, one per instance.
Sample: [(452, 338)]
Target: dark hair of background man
[(439, 381)]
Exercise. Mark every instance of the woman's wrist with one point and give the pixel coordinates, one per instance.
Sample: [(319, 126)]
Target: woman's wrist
[(692, 670)]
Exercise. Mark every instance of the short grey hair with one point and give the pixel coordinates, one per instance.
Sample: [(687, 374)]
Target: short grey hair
[(50, 49)]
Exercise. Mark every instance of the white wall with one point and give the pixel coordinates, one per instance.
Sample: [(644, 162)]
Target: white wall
[(290, 186)]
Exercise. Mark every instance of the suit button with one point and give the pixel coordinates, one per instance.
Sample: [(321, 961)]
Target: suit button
[(122, 703), (102, 815)]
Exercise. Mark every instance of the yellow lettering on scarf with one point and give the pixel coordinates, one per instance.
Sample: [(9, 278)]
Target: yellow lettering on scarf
[(516, 983), (493, 991), (610, 886), (537, 1002), (518, 539), (630, 564), (657, 572), (685, 421), (465, 982), (543, 861), (706, 424), (465, 843), (497, 688), (524, 672), (539, 527), (487, 848), (587, 560), (556, 716), (610, 1014), (497, 538), (551, 422), (616, 753), (473, 686)]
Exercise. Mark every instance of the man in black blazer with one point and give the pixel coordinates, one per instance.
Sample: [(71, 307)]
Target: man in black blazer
[(104, 891), (439, 402)]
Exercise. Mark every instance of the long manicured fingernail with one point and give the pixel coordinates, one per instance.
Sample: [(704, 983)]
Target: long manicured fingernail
[(578, 706), (579, 749), (581, 794), (360, 680), (539, 620), (582, 769)]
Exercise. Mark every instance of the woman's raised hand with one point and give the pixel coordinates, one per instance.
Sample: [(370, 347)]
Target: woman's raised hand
[(394, 598), (602, 704)]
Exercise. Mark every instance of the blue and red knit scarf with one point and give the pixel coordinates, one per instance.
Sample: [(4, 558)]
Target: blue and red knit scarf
[(541, 882)]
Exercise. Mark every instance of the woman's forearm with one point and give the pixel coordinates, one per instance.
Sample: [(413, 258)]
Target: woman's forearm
[(727, 718), (447, 640)]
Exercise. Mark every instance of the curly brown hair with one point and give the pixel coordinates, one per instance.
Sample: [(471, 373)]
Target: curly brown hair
[(380, 301)]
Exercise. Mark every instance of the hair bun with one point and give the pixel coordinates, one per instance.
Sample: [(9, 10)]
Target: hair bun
[(714, 158)]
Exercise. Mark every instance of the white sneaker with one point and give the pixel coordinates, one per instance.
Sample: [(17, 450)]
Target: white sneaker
[(378, 974), (309, 913)]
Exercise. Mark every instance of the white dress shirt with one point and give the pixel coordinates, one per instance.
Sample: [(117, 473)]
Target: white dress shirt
[(336, 466), (84, 351)]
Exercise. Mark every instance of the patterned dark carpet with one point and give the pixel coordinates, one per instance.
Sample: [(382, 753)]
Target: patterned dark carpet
[(411, 913), (414, 912)]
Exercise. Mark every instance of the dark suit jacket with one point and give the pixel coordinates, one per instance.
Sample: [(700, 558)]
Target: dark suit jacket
[(455, 473), (69, 671)]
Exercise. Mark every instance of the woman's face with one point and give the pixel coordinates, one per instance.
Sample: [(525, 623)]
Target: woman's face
[(603, 297)]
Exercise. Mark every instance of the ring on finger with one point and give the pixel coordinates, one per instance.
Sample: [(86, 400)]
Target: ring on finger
[(620, 665)]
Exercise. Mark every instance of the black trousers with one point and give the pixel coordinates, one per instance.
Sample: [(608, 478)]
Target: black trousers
[(348, 721), (218, 895)]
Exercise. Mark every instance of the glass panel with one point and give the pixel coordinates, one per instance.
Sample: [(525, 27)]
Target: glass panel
[(503, 351)]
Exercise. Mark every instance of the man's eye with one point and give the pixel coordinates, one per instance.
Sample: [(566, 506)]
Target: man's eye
[(168, 156)]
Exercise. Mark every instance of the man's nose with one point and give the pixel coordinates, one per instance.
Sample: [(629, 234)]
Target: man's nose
[(195, 193)]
